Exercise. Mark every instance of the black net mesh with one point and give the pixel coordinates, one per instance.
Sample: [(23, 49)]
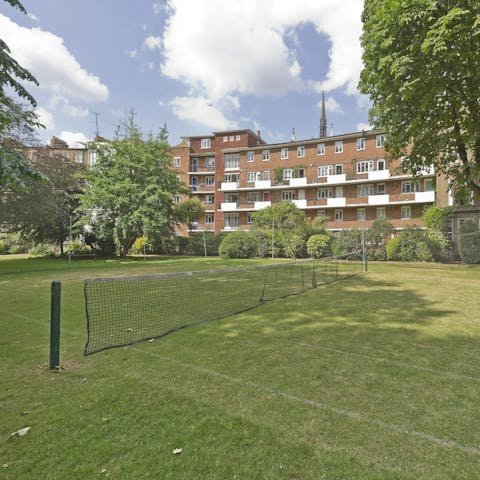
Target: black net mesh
[(125, 310)]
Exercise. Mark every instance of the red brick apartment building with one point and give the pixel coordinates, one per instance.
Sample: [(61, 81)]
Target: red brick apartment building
[(349, 179)]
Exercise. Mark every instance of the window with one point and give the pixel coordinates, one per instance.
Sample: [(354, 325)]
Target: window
[(381, 164), (232, 161), (266, 155), (232, 138), (253, 197), (381, 212), (225, 139), (338, 169), (231, 221), (365, 190), (250, 157), (209, 218), (251, 177), (249, 217), (284, 153), (237, 137), (79, 157), (300, 151), (325, 193), (406, 213), (361, 143), (287, 173), (209, 199), (232, 177), (176, 199), (321, 214), (339, 192), (338, 215), (361, 214), (381, 189), (209, 180), (210, 162), (365, 166), (428, 184), (339, 147), (288, 195), (320, 149), (231, 197), (205, 143), (266, 175), (380, 141), (324, 170), (410, 186)]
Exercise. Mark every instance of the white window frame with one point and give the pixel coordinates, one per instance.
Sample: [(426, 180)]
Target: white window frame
[(78, 157), (365, 166), (232, 161), (206, 143), (381, 212), (232, 138), (381, 165), (284, 154), (300, 151), (365, 190), (338, 215), (339, 171), (253, 197), (237, 137), (324, 170), (231, 220), (428, 185), (320, 149), (209, 180), (225, 139), (380, 141), (251, 176), (360, 143), (209, 199), (266, 155), (410, 186), (361, 215), (381, 188), (209, 218), (406, 213), (250, 157), (321, 214), (176, 161), (339, 146), (287, 173), (266, 175), (288, 195), (249, 218), (323, 193)]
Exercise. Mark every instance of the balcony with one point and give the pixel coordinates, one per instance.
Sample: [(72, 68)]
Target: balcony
[(298, 182), (300, 203), (379, 175), (229, 185), (228, 206), (337, 178), (260, 205), (263, 184), (422, 197), (378, 199), (336, 202)]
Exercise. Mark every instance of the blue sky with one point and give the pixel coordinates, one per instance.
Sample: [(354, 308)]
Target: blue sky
[(197, 65)]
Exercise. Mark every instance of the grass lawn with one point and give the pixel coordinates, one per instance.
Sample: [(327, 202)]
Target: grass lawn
[(374, 377)]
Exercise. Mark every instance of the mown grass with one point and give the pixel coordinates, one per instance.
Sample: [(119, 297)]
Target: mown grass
[(375, 377)]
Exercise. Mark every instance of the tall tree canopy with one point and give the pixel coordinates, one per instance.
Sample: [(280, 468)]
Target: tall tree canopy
[(422, 72), (130, 187), (17, 120)]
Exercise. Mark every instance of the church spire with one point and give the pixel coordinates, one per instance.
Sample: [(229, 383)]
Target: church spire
[(323, 119)]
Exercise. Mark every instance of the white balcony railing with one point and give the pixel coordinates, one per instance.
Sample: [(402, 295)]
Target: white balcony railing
[(260, 205), (336, 178), (379, 175), (336, 202), (378, 199), (298, 182), (228, 206), (229, 185), (263, 184), (425, 196), (300, 203)]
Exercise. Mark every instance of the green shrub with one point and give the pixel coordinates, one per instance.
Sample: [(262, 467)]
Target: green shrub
[(377, 252), (348, 242), (3, 247), (140, 246), (423, 252), (294, 246), (317, 245), (78, 248), (238, 244), (40, 250), (469, 242), (393, 249)]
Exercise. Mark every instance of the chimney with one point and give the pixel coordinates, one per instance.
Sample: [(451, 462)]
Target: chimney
[(331, 130), (323, 119), (292, 139)]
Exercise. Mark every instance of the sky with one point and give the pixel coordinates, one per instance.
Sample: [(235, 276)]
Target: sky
[(198, 66)]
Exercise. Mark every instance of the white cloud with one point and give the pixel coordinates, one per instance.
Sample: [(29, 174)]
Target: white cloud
[(202, 111), (158, 7), (363, 126), (152, 42), (238, 47), (67, 107), (33, 17), (45, 118), (331, 105), (74, 139), (46, 57), (132, 53)]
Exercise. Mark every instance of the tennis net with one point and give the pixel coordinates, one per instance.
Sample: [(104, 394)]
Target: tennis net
[(126, 310)]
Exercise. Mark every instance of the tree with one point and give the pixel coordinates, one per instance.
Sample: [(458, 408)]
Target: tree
[(189, 211), (17, 121), (131, 188), (422, 72), (43, 211)]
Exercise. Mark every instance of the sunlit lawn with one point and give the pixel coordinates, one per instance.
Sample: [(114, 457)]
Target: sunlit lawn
[(375, 377)]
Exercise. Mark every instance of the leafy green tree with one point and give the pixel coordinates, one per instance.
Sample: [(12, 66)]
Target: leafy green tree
[(240, 244), (469, 242), (44, 210), (190, 211), (436, 220), (348, 242), (17, 121), (130, 187), (317, 245), (422, 72)]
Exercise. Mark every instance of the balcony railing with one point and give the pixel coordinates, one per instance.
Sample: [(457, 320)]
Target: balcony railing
[(260, 205), (263, 184), (336, 202), (337, 178), (298, 182), (378, 199), (379, 175), (229, 185), (425, 196), (229, 206), (300, 203)]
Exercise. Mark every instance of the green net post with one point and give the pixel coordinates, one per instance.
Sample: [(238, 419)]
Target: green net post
[(365, 261), (55, 325)]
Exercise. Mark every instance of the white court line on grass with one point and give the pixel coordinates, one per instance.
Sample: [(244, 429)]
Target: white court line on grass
[(322, 406), (443, 373)]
